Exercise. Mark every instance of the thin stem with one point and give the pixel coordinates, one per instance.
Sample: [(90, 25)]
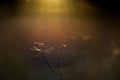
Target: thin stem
[(59, 65), (49, 65)]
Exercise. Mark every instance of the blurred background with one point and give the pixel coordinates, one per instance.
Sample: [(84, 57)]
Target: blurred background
[(89, 28)]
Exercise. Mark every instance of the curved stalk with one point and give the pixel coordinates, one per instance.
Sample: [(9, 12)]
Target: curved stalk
[(49, 65), (59, 66)]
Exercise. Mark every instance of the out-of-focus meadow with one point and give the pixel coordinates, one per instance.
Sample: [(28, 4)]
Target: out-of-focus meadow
[(89, 29)]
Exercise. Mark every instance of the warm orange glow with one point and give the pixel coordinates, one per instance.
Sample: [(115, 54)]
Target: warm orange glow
[(50, 7), (64, 46)]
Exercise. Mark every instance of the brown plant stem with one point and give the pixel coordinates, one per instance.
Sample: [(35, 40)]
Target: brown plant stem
[(59, 66), (49, 65)]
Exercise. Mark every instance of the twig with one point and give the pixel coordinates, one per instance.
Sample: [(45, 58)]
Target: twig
[(49, 65), (59, 65)]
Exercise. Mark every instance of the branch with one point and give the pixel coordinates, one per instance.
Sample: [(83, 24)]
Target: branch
[(48, 65)]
